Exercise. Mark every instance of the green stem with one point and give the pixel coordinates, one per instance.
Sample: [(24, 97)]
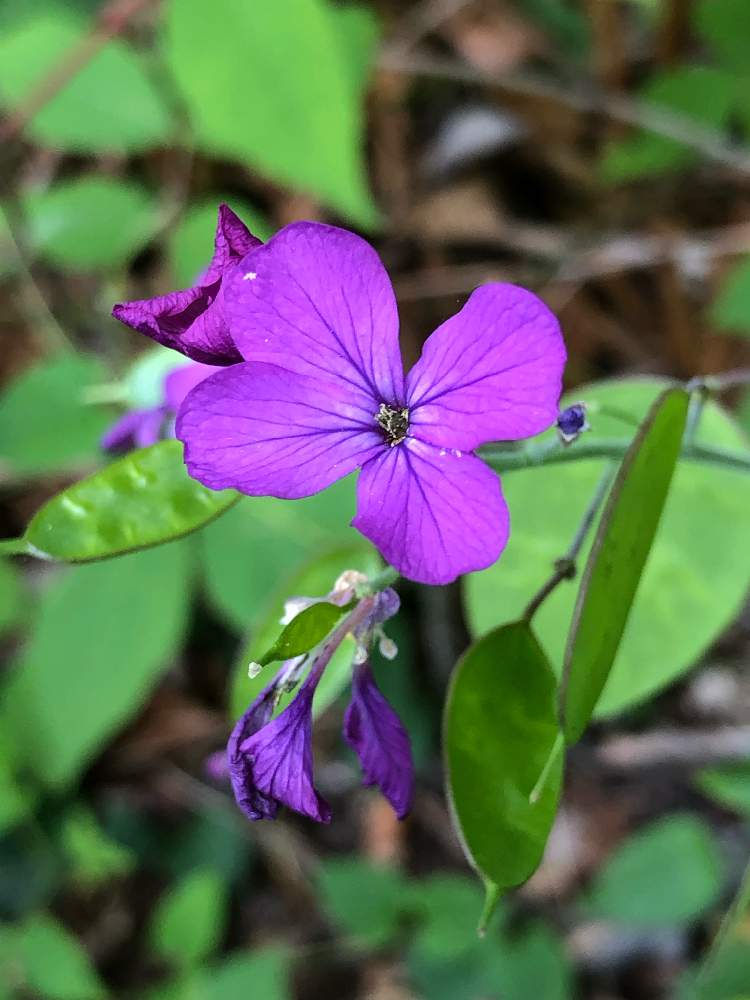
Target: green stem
[(386, 578), (13, 547), (554, 452)]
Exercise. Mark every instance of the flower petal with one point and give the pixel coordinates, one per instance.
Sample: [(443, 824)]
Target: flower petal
[(317, 300), (232, 241), (492, 372), (192, 320), (254, 803), (268, 432), (375, 733), (181, 380), (433, 513), (280, 760), (134, 429)]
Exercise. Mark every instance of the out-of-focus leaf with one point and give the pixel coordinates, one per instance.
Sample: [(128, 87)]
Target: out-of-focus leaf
[(530, 965), (500, 728), (257, 545), (110, 105), (622, 544), (143, 382), (45, 426), (103, 635), (307, 129), (727, 979), (54, 963), (11, 596), (728, 785), (359, 33), (365, 901), (669, 873), (15, 799), (261, 974), (314, 579), (568, 26), (700, 93), (725, 26), (8, 256), (730, 310), (305, 631), (90, 223), (446, 907), (188, 922), (143, 499), (92, 855), (682, 603), (191, 242)]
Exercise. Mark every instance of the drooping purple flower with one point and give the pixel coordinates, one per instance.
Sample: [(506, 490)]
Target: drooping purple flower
[(277, 762), (253, 802), (315, 313), (192, 320), (143, 427), (375, 733)]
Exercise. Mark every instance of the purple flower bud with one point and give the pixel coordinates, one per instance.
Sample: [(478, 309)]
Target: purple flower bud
[(572, 421)]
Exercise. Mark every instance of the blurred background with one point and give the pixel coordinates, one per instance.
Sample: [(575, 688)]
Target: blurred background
[(596, 151)]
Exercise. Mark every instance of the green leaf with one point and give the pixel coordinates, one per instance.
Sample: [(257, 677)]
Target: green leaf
[(726, 979), (188, 922), (110, 105), (143, 499), (358, 29), (15, 799), (45, 426), (500, 730), (682, 603), (446, 907), (54, 963), (90, 223), (365, 901), (621, 547), (730, 310), (315, 578), (12, 597), (8, 254), (669, 873), (728, 785), (104, 634), (94, 857), (303, 632), (307, 130), (143, 381), (191, 242), (260, 542), (263, 974), (696, 92), (725, 26)]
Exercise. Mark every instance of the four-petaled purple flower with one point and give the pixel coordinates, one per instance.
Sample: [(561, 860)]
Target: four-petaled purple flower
[(322, 392), (192, 320), (143, 427), (270, 760)]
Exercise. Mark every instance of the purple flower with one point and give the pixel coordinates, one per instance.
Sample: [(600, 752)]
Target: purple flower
[(315, 313), (143, 427), (375, 733), (270, 761), (192, 321)]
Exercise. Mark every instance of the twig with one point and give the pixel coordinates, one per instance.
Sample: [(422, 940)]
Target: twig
[(565, 567), (425, 18), (685, 747), (616, 107), (111, 22)]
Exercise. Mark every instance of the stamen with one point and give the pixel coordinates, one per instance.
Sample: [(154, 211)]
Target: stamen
[(394, 422)]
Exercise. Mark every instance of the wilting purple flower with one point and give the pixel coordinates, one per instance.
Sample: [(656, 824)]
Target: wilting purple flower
[(375, 733), (192, 321), (144, 427), (270, 761), (315, 314), (572, 422)]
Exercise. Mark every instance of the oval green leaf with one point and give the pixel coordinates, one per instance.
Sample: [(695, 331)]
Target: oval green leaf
[(622, 544), (500, 736), (303, 632), (141, 500)]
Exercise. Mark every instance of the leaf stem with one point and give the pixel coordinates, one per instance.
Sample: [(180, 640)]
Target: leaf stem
[(541, 781), (554, 452), (386, 578), (13, 547), (565, 566)]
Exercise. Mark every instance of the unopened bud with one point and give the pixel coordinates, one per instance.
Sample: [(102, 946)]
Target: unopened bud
[(572, 422), (253, 669)]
